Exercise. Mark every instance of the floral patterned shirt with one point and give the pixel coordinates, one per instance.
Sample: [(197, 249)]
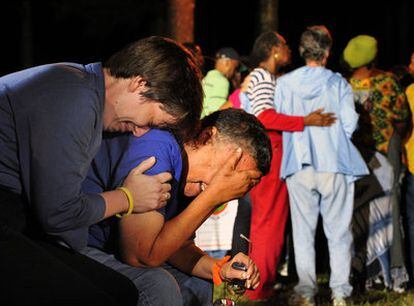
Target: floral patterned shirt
[(386, 104)]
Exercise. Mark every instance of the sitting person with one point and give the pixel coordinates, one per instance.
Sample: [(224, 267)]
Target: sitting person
[(51, 122), (209, 168)]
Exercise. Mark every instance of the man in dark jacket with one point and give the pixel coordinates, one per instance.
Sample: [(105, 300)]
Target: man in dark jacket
[(51, 123)]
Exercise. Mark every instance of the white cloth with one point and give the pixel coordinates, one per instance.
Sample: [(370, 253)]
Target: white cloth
[(216, 232)]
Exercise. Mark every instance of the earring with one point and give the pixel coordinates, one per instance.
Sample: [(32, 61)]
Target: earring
[(276, 55)]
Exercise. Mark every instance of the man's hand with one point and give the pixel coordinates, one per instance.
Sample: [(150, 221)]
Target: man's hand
[(252, 275), (149, 191), (316, 118), (229, 183)]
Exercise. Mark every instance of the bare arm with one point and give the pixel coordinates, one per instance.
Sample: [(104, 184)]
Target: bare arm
[(226, 105), (317, 118), (146, 239), (194, 261)]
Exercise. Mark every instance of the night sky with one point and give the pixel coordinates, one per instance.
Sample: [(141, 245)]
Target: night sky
[(90, 30)]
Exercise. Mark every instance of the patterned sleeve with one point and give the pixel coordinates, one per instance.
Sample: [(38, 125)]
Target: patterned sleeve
[(261, 91), (399, 104)]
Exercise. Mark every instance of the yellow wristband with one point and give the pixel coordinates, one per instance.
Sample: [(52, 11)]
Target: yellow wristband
[(130, 201)]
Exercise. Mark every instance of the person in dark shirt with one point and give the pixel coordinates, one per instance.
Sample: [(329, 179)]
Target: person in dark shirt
[(51, 123), (163, 238)]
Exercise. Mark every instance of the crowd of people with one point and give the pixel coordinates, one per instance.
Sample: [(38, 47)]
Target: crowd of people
[(108, 169), (342, 149)]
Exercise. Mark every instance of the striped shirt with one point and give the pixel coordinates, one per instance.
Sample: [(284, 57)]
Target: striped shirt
[(260, 90)]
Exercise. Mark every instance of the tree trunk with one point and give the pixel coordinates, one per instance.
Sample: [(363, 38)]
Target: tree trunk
[(269, 10), (181, 17)]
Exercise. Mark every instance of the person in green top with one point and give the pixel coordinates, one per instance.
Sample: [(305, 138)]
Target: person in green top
[(216, 84)]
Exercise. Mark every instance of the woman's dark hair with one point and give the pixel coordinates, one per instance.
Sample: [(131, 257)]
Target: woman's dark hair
[(171, 74), (315, 42), (262, 47), (244, 130)]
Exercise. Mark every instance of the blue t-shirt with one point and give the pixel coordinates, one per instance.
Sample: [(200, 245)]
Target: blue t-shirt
[(118, 155)]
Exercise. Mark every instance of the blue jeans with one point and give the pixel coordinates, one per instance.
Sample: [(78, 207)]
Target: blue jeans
[(409, 202), (159, 286), (329, 194)]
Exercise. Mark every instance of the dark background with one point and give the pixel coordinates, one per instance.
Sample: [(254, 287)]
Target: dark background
[(38, 32)]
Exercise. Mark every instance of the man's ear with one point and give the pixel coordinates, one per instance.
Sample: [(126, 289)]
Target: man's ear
[(137, 84), (325, 59), (208, 135)]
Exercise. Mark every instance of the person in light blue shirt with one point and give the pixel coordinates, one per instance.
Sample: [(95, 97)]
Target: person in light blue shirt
[(320, 165)]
